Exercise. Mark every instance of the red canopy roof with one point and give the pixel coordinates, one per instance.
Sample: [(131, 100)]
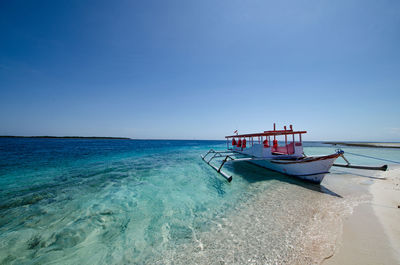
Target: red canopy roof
[(274, 132), (268, 133)]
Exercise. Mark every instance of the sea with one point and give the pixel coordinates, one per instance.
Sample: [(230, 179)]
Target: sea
[(93, 201)]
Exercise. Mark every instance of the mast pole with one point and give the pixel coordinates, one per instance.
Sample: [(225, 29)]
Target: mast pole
[(291, 128), (287, 148)]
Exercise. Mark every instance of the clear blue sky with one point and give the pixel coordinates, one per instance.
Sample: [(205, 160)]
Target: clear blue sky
[(200, 69)]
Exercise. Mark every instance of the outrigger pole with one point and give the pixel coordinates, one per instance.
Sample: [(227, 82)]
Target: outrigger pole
[(218, 154), (348, 165), (228, 156)]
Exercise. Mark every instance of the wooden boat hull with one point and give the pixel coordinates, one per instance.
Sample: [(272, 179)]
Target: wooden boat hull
[(311, 169)]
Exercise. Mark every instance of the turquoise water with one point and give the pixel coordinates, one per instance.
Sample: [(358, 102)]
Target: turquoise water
[(151, 201)]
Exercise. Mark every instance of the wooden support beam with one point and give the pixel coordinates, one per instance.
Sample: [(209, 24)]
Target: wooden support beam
[(383, 168)]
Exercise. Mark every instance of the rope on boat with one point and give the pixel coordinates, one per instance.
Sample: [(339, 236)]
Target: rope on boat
[(386, 160)]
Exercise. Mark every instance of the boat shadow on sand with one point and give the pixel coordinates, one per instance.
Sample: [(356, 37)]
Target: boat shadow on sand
[(253, 173)]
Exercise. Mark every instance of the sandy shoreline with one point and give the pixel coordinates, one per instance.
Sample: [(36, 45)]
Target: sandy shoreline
[(288, 222), (371, 235)]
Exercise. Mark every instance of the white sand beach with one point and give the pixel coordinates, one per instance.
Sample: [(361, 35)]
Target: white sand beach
[(371, 235)]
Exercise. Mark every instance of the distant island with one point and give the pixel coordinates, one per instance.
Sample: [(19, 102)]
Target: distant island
[(67, 137), (366, 144)]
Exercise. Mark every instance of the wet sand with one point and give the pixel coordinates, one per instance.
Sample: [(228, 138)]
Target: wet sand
[(291, 222), (371, 235)]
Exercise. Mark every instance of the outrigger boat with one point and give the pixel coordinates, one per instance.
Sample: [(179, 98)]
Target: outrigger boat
[(262, 149)]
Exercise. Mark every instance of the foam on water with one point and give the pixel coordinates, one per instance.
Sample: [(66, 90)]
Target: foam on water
[(120, 202)]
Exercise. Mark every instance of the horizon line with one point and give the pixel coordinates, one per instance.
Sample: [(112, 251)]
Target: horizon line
[(159, 139)]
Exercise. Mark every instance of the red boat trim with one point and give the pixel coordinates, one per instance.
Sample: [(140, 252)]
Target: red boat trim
[(267, 133), (312, 159), (304, 175)]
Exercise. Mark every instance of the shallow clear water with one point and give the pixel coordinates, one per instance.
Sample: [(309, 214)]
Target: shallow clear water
[(148, 201)]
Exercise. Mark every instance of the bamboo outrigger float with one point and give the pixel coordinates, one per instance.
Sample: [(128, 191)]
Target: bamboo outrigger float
[(263, 150)]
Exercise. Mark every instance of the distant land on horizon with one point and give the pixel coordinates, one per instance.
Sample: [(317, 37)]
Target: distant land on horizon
[(367, 144), (66, 137), (377, 144), (100, 137)]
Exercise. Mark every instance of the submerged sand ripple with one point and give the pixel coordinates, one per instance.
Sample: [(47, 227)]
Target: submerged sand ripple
[(287, 224)]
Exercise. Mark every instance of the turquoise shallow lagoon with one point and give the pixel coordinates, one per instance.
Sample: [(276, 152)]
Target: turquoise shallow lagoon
[(76, 201)]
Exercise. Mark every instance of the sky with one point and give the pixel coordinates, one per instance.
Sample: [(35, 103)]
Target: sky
[(200, 69)]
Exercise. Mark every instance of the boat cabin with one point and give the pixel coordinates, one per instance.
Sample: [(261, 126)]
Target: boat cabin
[(266, 144)]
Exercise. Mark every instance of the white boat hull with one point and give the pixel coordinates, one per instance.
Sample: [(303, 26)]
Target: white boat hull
[(311, 169)]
